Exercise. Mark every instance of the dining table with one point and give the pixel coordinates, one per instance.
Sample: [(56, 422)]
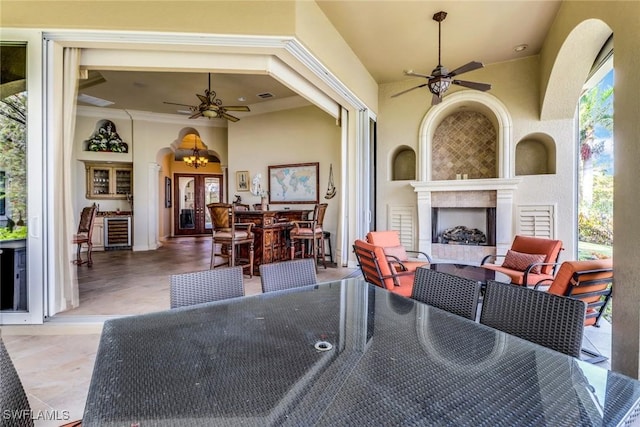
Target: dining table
[(340, 353)]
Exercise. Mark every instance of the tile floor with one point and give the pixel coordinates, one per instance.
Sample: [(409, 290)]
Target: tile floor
[(55, 360)]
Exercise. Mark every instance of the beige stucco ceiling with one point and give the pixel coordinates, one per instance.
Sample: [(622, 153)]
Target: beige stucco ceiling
[(387, 36)]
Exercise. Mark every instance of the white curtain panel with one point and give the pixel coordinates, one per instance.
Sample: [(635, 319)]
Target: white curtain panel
[(66, 219)]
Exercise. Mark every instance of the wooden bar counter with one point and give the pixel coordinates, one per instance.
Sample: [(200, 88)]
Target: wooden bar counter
[(271, 231)]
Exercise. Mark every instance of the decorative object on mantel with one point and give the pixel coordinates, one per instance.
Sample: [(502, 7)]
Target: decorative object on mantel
[(331, 188), (106, 139)]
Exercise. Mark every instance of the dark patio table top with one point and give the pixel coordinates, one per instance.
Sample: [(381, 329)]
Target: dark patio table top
[(339, 353)]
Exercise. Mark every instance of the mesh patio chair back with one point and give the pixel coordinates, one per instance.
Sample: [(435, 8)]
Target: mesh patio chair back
[(206, 286), (454, 294), (553, 321), (12, 395), (288, 274)]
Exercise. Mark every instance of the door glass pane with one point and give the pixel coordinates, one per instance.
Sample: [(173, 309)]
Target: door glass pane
[(211, 195), (13, 177), (186, 199)]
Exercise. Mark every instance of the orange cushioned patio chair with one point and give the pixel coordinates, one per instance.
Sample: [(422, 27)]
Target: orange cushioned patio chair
[(530, 260), (590, 281), (379, 270), (390, 243)]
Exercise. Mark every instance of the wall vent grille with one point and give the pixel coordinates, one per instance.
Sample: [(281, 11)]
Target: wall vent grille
[(403, 219)]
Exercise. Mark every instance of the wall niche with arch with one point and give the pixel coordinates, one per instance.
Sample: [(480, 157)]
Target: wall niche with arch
[(403, 164), (535, 155)]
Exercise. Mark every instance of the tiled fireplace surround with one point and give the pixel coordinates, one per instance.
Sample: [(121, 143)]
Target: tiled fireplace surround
[(469, 193)]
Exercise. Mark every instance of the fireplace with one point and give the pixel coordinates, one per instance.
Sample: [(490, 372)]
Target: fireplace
[(476, 221), (486, 204)]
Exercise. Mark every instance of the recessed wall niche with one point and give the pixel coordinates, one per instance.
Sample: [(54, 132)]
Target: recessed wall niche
[(535, 155), (404, 164), (465, 142)]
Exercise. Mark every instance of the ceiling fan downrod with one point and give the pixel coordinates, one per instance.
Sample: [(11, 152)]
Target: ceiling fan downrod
[(439, 17)]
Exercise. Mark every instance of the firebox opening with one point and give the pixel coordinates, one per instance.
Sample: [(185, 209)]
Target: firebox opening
[(453, 219)]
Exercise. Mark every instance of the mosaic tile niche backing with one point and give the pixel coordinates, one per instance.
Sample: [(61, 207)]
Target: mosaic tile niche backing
[(464, 143)]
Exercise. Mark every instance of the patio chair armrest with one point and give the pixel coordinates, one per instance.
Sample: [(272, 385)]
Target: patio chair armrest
[(420, 253), (488, 257), (394, 261), (531, 267)]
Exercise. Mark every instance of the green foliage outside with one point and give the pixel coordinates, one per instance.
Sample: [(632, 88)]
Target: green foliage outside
[(13, 148)]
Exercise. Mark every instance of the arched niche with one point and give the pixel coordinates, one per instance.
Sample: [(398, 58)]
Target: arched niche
[(403, 164), (467, 101), (535, 155)]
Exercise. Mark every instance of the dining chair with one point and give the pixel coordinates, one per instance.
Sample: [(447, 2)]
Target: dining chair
[(310, 231), (530, 260), (288, 274), (550, 320), (454, 294), (230, 234), (85, 234), (205, 286), (390, 242), (590, 281), (13, 398), (382, 270)]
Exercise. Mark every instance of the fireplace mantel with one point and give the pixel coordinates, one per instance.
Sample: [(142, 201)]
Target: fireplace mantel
[(467, 185), (504, 188)]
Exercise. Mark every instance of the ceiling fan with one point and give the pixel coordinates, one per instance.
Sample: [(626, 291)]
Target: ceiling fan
[(441, 78), (211, 107)]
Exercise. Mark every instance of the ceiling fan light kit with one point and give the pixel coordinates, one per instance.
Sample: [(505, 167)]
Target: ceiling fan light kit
[(440, 79), (211, 107)]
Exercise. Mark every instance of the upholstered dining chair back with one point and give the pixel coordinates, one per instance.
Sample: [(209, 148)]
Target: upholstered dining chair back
[(553, 321), (206, 286), (12, 395), (288, 274), (454, 294), (84, 235)]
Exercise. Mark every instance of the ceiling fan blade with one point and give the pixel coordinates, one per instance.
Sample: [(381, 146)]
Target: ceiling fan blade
[(412, 73), (408, 90), (230, 117), (435, 100), (235, 108), (174, 103), (472, 85), (473, 65), (202, 98), (196, 115)]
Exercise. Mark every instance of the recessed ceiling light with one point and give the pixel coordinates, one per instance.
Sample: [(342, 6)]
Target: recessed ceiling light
[(242, 99), (521, 47)]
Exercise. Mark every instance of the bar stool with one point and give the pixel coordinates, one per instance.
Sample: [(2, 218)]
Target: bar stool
[(326, 235)]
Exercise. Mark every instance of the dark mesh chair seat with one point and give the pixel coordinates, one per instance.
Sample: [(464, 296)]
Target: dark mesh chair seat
[(206, 286), (454, 294), (288, 274), (12, 395), (553, 321)]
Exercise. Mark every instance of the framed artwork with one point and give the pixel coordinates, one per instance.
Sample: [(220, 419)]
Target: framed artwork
[(295, 183), (242, 181), (167, 192)]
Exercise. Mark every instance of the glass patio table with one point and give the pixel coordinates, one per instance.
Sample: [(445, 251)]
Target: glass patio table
[(339, 353)]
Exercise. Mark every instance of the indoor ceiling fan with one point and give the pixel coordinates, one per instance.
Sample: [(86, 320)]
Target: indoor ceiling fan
[(441, 78), (211, 107)]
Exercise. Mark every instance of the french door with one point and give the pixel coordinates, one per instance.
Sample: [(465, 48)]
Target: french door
[(192, 194)]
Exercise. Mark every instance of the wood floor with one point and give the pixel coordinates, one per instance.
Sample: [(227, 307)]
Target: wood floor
[(125, 282)]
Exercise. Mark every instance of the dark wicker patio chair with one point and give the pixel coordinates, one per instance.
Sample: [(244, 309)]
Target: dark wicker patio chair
[(553, 321), (13, 399), (206, 286), (288, 274), (454, 294)]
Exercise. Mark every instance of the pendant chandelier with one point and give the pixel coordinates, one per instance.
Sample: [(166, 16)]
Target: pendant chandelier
[(195, 160), (197, 156)]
